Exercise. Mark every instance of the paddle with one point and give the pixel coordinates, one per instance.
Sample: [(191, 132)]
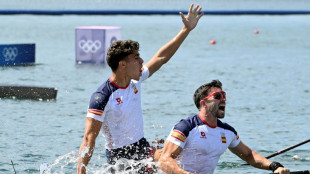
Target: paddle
[(13, 166), (299, 172), (287, 149)]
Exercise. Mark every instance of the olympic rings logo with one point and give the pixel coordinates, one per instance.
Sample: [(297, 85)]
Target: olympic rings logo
[(9, 53), (90, 46), (113, 39)]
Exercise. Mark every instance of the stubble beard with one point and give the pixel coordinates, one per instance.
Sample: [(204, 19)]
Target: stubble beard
[(216, 112)]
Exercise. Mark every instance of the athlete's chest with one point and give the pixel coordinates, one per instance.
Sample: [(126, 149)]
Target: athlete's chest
[(209, 141), (125, 98)]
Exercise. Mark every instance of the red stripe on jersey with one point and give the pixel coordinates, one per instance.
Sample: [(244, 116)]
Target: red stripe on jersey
[(179, 132), (96, 112), (177, 138)]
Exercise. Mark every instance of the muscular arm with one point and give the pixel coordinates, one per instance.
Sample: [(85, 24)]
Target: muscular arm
[(254, 159), (164, 54), (167, 162), (92, 128), (250, 156)]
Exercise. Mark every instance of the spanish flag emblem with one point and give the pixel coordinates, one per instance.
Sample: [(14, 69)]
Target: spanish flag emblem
[(135, 90), (95, 112), (223, 138), (178, 135)]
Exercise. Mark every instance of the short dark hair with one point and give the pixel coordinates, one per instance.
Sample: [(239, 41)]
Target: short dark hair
[(119, 50), (202, 91)]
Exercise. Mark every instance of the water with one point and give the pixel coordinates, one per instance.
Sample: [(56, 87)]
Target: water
[(266, 77), (158, 4)]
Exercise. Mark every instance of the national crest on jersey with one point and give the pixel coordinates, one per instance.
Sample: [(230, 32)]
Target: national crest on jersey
[(223, 137), (135, 90)]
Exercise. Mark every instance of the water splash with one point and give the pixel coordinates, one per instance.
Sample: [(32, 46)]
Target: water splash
[(60, 165), (67, 164), (126, 166), (84, 151)]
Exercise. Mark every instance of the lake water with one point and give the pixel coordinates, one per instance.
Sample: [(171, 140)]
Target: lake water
[(266, 77)]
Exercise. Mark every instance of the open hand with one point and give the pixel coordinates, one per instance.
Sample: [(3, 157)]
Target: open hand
[(192, 17)]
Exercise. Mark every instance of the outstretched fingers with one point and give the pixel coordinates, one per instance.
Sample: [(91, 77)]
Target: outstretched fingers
[(201, 14), (191, 19), (182, 16), (197, 10), (190, 8)]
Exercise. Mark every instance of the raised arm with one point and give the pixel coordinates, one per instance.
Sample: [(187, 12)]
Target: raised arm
[(164, 54), (255, 159), (166, 160), (92, 128)]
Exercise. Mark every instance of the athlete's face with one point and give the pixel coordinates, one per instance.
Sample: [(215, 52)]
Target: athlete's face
[(134, 65), (216, 102)]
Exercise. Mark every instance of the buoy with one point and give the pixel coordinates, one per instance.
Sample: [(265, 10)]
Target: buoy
[(212, 42), (296, 157), (256, 31)]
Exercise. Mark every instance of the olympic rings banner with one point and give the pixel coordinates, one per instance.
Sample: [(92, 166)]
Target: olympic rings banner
[(17, 54), (92, 42)]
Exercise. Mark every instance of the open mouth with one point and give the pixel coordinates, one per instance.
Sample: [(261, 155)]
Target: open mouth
[(222, 108)]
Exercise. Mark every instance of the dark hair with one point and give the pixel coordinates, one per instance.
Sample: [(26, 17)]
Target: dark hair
[(202, 91), (119, 50)]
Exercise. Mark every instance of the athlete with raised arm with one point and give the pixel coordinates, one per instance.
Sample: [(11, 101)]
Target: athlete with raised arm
[(115, 108)]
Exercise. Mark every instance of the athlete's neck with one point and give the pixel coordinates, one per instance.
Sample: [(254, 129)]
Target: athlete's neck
[(119, 80), (208, 118)]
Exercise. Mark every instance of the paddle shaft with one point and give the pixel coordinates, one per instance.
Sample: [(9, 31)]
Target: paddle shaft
[(300, 172), (13, 166), (287, 149)]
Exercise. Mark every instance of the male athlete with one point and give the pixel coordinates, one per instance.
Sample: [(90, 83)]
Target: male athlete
[(196, 143), (115, 108)]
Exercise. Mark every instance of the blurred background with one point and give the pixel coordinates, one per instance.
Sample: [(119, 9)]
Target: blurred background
[(265, 74)]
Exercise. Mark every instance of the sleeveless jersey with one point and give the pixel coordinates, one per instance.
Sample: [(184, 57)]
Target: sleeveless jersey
[(202, 144), (119, 110)]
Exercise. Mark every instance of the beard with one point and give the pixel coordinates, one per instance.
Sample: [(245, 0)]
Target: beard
[(216, 112)]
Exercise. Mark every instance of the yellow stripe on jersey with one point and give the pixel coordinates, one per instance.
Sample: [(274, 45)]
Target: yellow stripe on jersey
[(96, 112), (178, 135)]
